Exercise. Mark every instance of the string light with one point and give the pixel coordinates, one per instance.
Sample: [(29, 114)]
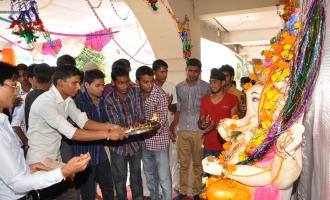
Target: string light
[(115, 41)]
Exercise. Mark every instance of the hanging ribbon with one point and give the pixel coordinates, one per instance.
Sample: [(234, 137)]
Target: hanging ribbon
[(107, 31), (14, 43)]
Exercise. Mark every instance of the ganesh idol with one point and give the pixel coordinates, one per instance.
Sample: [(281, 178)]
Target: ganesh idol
[(270, 177)]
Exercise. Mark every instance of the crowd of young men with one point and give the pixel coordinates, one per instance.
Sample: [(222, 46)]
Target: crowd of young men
[(93, 118)]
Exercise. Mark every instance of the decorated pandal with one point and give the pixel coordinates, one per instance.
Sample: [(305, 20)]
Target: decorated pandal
[(262, 155)]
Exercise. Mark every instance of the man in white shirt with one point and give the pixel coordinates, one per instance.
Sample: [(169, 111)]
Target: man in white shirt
[(17, 119), (16, 177), (48, 119), (160, 68)]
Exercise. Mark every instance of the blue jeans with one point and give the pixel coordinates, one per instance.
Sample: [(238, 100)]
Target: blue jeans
[(207, 152), (156, 167), (119, 175)]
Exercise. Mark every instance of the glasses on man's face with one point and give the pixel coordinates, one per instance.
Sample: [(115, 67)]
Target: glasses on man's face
[(14, 87)]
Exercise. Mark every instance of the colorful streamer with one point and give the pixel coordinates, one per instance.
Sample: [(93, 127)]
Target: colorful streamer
[(153, 4), (184, 32), (14, 43), (100, 33)]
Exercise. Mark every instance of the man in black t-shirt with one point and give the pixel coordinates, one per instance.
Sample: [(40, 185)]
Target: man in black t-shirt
[(42, 78)]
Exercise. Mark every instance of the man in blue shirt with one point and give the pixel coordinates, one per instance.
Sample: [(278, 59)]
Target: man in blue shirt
[(92, 103)]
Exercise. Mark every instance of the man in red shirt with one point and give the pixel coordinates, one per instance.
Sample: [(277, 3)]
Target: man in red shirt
[(214, 107)]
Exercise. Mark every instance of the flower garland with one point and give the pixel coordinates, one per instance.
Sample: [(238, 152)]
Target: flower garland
[(28, 23), (276, 70), (184, 32), (286, 54)]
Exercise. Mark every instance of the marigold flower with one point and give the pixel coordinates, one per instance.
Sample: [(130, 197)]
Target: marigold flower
[(249, 148), (266, 124), (233, 126), (268, 54), (221, 159), (253, 76), (235, 117), (242, 156), (272, 95), (284, 54), (247, 86), (258, 68), (283, 65), (276, 59), (270, 105), (226, 145), (287, 47), (285, 34), (277, 47), (289, 40), (231, 168)]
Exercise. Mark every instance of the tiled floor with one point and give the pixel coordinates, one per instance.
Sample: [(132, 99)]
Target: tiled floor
[(129, 194)]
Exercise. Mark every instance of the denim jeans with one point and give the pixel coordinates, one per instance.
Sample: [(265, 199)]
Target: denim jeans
[(157, 171), (119, 175)]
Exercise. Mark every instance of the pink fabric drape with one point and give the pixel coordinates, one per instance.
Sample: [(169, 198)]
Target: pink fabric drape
[(51, 48), (266, 192), (98, 42)]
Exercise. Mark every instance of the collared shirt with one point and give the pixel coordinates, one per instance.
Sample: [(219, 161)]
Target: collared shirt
[(18, 115), (189, 102), (108, 88), (30, 98), (96, 113), (126, 113), (157, 103), (15, 178), (47, 121), (170, 89)]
